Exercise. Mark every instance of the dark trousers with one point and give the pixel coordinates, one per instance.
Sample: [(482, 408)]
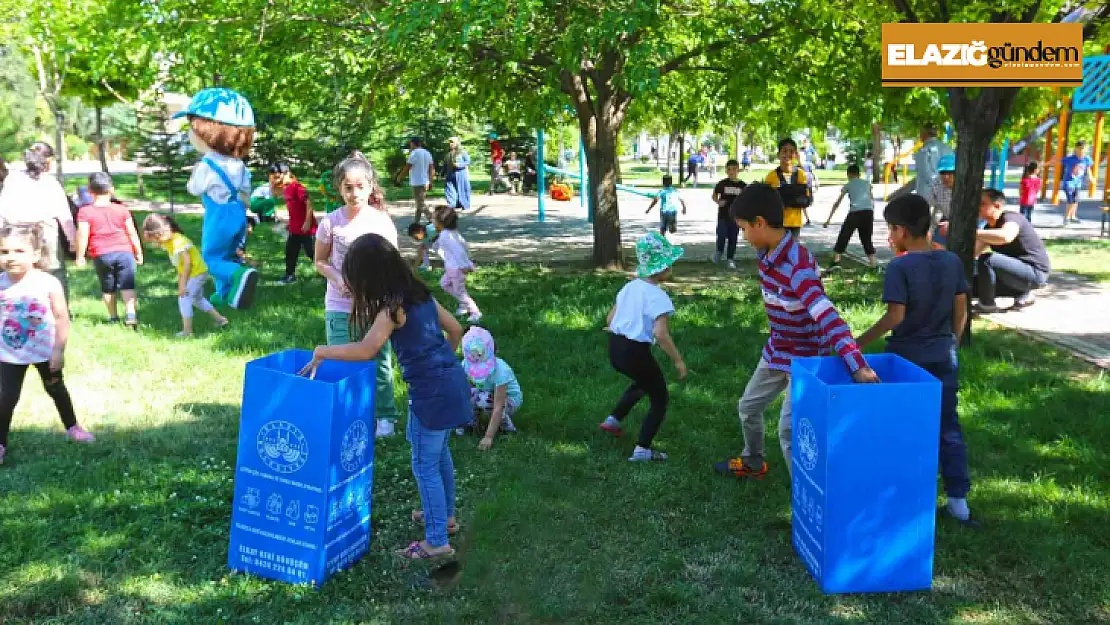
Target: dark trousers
[(999, 274), (634, 359), (727, 232), (864, 222), (1026, 212), (11, 385), (293, 246), (953, 451), (691, 172)]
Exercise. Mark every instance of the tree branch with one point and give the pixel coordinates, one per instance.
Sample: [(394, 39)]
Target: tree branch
[(906, 10)]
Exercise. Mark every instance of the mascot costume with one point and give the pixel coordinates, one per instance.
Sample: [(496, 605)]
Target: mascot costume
[(221, 126)]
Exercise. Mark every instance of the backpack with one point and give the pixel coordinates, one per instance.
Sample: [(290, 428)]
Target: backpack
[(793, 194)]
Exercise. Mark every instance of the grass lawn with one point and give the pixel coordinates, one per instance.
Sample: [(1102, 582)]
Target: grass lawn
[(557, 526), (1089, 258)]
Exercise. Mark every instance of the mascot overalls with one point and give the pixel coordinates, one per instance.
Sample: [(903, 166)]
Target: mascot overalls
[(221, 126)]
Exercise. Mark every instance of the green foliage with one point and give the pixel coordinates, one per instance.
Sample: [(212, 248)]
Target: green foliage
[(166, 153), (17, 103)]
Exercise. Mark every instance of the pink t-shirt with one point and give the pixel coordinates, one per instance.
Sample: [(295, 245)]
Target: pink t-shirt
[(1030, 186), (27, 318), (341, 232)]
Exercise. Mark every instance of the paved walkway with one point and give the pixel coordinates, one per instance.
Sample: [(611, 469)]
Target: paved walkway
[(1070, 311)]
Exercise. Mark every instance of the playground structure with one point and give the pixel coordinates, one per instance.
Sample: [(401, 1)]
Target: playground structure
[(1093, 96)]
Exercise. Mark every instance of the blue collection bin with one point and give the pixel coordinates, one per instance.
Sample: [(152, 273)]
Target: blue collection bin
[(865, 474), (304, 471)]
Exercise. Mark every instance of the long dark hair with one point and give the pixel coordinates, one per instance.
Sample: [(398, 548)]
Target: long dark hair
[(36, 159), (379, 279)]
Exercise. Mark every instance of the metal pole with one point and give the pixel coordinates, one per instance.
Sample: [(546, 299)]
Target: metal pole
[(582, 173), (540, 165), (1061, 148), (1005, 158), (993, 157)]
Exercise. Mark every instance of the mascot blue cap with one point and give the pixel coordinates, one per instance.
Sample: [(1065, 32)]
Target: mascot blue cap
[(220, 105)]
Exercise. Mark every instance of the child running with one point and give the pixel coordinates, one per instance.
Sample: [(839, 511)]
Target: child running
[(926, 297), (668, 200), (1029, 187), (35, 322), (363, 212), (425, 236), (640, 317), (861, 216), (723, 194), (106, 232), (457, 265), (391, 304), (803, 323), (302, 221), (493, 385), (192, 273)]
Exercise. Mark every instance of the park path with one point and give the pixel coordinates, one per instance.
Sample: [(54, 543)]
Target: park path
[(1070, 312)]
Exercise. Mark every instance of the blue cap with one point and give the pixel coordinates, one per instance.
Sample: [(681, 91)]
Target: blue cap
[(220, 105), (947, 163)]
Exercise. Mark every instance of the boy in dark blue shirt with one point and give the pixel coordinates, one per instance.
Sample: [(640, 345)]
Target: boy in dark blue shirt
[(926, 296)]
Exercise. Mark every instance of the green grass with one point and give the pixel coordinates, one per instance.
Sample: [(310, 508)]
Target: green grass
[(557, 526), (1089, 258)]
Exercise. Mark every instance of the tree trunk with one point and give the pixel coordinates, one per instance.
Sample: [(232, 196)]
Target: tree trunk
[(670, 144), (739, 141), (59, 142), (101, 143), (601, 135), (876, 153), (977, 122), (681, 156)]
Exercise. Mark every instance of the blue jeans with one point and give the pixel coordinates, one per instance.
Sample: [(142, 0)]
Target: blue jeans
[(998, 274), (953, 450), (727, 232), (435, 477)]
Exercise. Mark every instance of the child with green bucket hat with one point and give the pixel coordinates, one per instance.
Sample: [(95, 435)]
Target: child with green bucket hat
[(639, 318)]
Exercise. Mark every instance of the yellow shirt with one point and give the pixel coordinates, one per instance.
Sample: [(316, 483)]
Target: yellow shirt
[(791, 217), (178, 245)]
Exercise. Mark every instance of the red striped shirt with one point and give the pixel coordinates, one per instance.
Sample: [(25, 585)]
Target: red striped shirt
[(803, 321)]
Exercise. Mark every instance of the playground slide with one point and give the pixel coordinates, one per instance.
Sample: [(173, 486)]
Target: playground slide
[(1037, 133)]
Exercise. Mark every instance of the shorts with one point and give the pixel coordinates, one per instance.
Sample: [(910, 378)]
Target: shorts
[(1071, 195), (514, 175), (116, 271), (668, 222)]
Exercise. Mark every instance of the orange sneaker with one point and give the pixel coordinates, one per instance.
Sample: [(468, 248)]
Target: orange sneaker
[(737, 468)]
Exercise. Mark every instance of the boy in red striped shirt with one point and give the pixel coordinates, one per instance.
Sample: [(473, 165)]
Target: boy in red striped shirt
[(803, 323)]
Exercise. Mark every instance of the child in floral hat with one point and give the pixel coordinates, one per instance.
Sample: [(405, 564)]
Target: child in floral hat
[(639, 318), (493, 385)]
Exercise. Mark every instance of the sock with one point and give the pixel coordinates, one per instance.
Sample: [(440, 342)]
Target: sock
[(612, 422), (958, 507)]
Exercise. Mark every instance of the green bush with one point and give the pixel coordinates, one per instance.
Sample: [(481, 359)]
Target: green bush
[(76, 147)]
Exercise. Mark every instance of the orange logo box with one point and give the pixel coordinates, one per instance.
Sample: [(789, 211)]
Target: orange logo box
[(983, 55)]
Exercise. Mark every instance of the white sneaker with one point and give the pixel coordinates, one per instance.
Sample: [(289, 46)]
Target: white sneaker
[(460, 312), (475, 318), (732, 264), (385, 429)]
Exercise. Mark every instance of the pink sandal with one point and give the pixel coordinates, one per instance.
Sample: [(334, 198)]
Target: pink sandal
[(415, 552), (79, 434)]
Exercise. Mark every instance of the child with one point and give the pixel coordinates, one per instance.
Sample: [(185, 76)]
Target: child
[(1029, 187), (861, 216), (192, 273), (263, 204), (391, 303), (425, 236), (939, 196), (493, 385), (640, 317), (302, 221), (668, 200), (106, 232), (926, 297), (803, 323), (35, 323), (723, 194), (221, 125), (363, 212), (1076, 169), (513, 167), (451, 246), (793, 187)]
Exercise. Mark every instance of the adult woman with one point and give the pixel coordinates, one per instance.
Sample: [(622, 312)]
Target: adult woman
[(34, 196), (456, 172)]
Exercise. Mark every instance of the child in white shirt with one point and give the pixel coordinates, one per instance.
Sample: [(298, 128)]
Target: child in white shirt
[(451, 246)]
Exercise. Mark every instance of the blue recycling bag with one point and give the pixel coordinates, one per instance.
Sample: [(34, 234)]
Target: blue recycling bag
[(864, 482), (304, 472)]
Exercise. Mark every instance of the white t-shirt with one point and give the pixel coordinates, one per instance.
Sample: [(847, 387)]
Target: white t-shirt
[(27, 318), (28, 200), (420, 159), (451, 246), (263, 192), (205, 180), (639, 304)]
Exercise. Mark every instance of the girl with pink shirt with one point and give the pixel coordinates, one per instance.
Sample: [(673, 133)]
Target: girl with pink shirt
[(363, 212), (1030, 186), (34, 329)]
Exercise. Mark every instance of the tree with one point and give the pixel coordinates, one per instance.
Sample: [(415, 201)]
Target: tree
[(17, 101), (164, 152)]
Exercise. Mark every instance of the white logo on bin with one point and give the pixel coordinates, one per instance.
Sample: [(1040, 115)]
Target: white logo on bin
[(807, 445), (282, 446), (355, 441)]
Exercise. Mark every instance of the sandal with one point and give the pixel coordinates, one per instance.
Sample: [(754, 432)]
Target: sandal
[(415, 552), (452, 528)]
